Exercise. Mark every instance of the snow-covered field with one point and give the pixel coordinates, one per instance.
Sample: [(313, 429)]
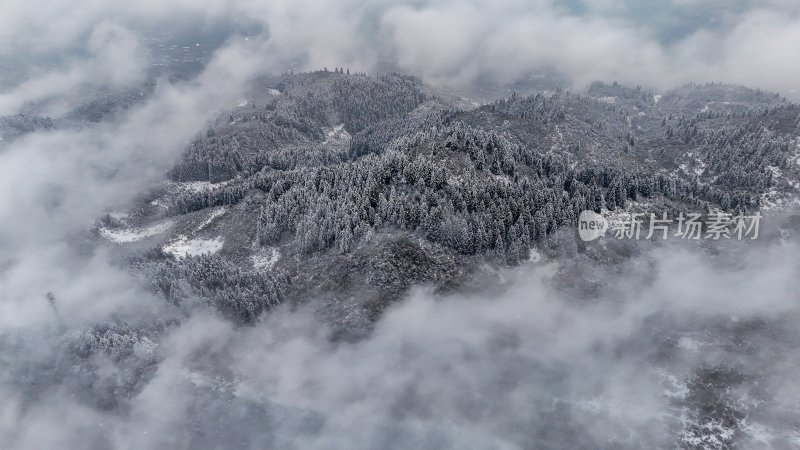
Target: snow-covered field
[(197, 186), (266, 258), (127, 235), (219, 212), (182, 246), (336, 135), (693, 165)]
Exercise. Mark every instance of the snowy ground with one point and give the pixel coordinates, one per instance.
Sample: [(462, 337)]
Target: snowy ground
[(182, 246), (693, 165), (127, 235), (219, 212), (336, 135), (266, 258), (197, 186)]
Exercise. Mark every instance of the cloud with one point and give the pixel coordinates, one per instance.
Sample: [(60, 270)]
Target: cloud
[(116, 59), (460, 41), (54, 184), (525, 366), (461, 371), (505, 41)]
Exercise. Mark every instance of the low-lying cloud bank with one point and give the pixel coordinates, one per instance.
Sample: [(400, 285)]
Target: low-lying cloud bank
[(456, 372), (633, 368), (55, 183), (453, 42)]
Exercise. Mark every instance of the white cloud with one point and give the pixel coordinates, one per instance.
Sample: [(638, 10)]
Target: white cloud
[(458, 40), (54, 184), (466, 372), (116, 60), (523, 366)]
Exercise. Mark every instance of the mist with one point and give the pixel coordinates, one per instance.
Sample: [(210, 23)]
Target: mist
[(455, 43), (529, 365), (518, 363)]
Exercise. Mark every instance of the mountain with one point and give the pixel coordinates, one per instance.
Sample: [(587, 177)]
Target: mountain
[(380, 177), (341, 193)]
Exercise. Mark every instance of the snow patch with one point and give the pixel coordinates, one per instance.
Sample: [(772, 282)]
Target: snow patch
[(504, 179), (199, 186), (242, 103), (182, 246), (266, 259), (274, 92), (127, 235), (607, 100), (689, 171), (656, 98), (211, 217), (694, 165), (336, 135)]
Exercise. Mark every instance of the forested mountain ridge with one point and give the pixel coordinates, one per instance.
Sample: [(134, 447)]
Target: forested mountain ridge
[(333, 170), (339, 192)]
